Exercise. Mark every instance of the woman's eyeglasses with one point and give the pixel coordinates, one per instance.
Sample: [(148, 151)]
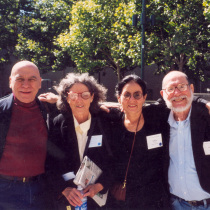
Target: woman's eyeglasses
[(137, 95), (84, 95)]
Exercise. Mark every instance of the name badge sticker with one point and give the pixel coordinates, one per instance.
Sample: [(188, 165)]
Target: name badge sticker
[(154, 141), (68, 176), (206, 147), (95, 141)]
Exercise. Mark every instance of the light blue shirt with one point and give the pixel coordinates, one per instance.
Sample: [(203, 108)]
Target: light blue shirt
[(182, 174)]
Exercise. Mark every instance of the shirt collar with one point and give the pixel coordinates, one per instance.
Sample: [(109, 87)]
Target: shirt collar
[(173, 123), (26, 105), (85, 126)]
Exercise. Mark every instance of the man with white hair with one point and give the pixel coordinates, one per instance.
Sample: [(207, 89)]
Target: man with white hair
[(189, 145), (23, 141)]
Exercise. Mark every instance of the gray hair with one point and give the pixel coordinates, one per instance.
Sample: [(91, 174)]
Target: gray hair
[(90, 82)]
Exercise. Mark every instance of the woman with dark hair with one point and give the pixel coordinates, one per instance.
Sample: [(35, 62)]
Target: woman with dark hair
[(139, 145), (78, 131)]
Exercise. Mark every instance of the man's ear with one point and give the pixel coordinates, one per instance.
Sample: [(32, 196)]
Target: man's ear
[(40, 85), (192, 87), (10, 82), (161, 93)]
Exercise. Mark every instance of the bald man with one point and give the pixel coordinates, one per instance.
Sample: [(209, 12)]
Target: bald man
[(189, 145), (23, 141)]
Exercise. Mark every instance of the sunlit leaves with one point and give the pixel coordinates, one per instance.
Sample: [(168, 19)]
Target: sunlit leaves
[(179, 39), (100, 35), (35, 42)]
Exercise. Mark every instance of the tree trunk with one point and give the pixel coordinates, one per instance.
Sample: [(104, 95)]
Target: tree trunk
[(181, 61), (119, 76)]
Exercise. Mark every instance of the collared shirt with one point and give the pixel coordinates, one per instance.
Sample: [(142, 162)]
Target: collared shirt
[(182, 174), (81, 132)]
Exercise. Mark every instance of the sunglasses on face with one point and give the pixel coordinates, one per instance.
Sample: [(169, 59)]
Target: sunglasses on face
[(84, 95), (137, 95)]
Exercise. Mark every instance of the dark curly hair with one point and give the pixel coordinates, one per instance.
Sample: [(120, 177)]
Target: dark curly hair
[(90, 82), (132, 77)]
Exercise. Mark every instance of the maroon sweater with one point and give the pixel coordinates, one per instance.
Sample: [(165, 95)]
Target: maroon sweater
[(25, 149)]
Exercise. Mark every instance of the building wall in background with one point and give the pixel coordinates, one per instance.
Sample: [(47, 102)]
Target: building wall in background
[(106, 77)]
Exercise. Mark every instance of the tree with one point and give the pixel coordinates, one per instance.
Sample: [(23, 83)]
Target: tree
[(10, 14), (181, 37), (101, 35), (40, 28), (98, 33), (206, 5)]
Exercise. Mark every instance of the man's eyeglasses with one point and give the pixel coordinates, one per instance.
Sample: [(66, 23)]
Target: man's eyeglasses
[(180, 87), (84, 95), (137, 95)]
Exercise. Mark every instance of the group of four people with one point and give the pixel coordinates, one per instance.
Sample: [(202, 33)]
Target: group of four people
[(163, 153)]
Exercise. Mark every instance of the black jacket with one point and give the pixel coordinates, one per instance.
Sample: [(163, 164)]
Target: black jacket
[(67, 158), (6, 114), (200, 132)]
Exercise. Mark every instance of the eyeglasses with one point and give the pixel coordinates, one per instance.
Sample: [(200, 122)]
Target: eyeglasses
[(180, 87), (84, 95), (137, 95)]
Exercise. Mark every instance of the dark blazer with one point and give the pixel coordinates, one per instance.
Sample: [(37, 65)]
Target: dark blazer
[(200, 132), (68, 160), (6, 114)]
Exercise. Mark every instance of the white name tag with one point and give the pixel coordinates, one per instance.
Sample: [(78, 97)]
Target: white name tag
[(206, 147), (96, 141), (68, 176), (154, 141)]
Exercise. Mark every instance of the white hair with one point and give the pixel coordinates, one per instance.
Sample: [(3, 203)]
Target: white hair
[(179, 109)]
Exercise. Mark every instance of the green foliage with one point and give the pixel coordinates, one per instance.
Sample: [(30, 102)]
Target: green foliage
[(10, 14), (180, 38), (206, 5), (40, 28), (100, 35)]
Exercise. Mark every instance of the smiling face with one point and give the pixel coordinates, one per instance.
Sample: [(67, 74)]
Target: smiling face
[(25, 81), (131, 105), (178, 101), (80, 106)]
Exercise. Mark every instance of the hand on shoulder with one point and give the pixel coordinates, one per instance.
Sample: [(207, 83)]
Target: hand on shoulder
[(48, 97)]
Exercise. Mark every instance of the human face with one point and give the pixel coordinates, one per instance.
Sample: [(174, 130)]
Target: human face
[(130, 104), (79, 106), (25, 81), (178, 101)]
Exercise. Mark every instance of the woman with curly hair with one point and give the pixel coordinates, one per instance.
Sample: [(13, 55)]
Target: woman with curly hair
[(79, 131)]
